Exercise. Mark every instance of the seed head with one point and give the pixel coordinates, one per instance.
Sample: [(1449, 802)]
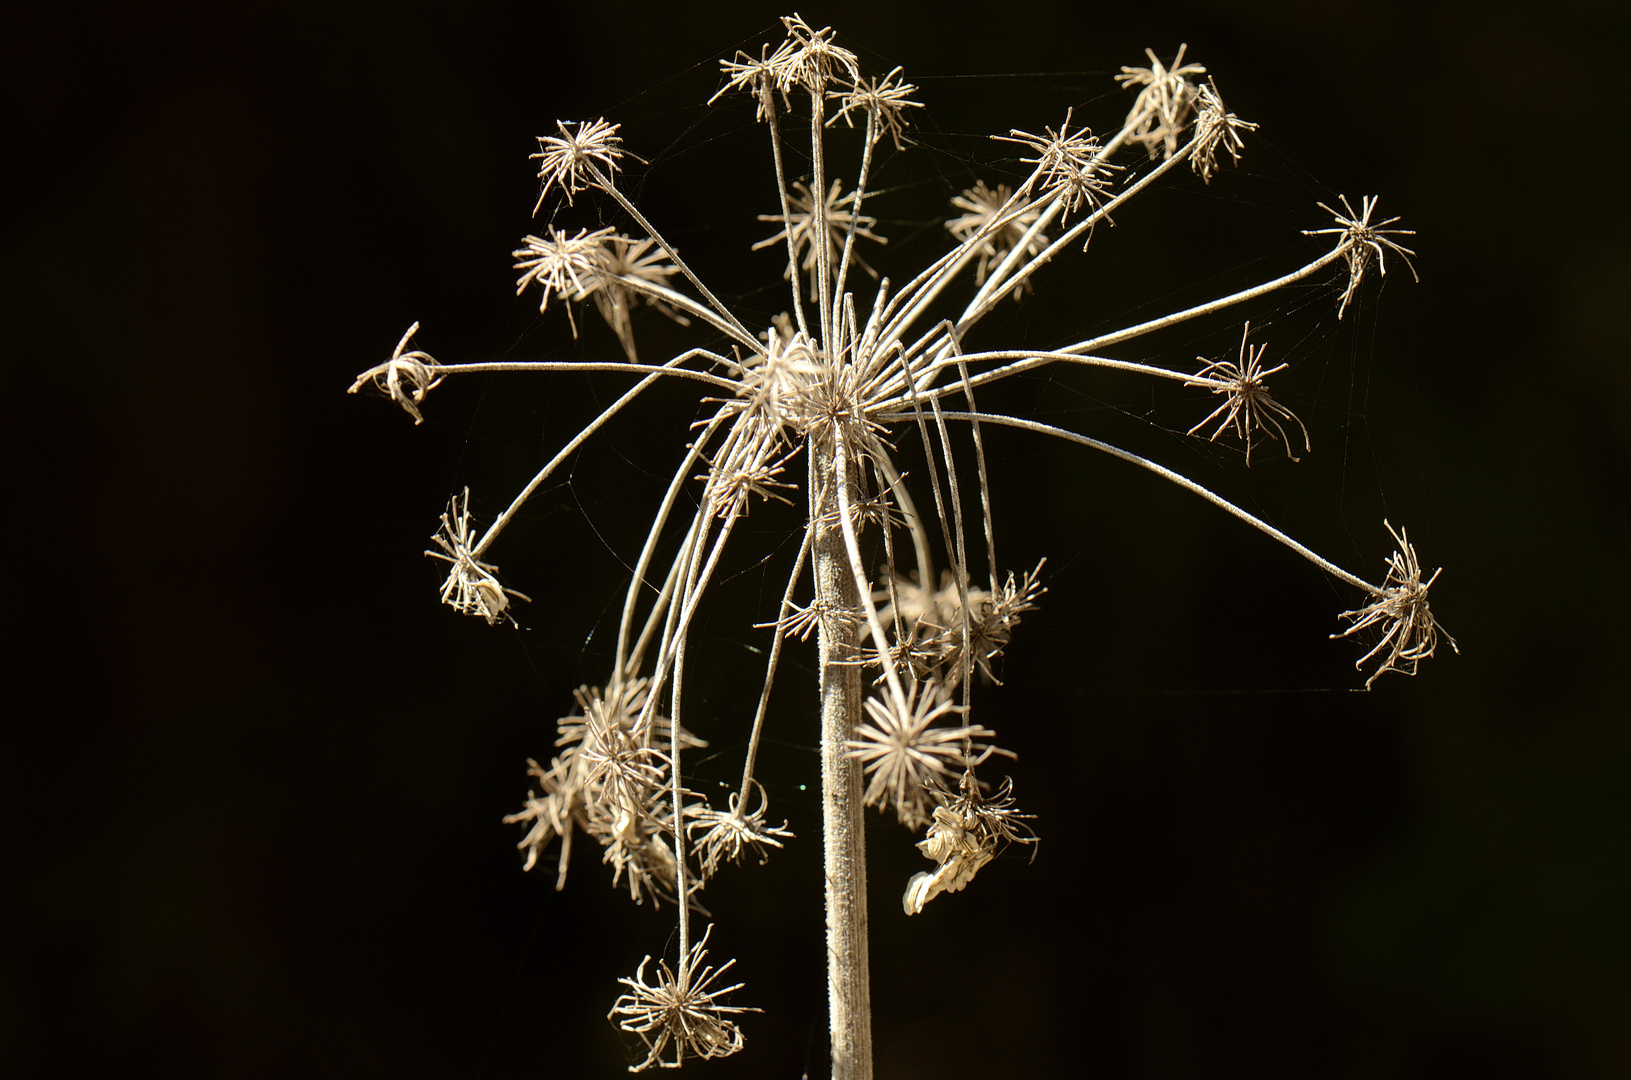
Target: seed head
[(1362, 242), (968, 831), (1410, 633), (983, 216), (1248, 407), (725, 836), (685, 1011), (567, 160), (799, 222), (568, 265), (1165, 102), (471, 587), (415, 370), (886, 101), (1068, 164), (907, 756), (1215, 128)]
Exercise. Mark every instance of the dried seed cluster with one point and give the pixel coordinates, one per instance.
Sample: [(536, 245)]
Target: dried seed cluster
[(851, 381)]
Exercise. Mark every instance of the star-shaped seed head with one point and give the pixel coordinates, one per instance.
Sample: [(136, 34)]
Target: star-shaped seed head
[(1363, 242), (1409, 632), (1165, 103), (1069, 164), (471, 587), (568, 160), (1216, 128), (885, 100), (907, 755), (1248, 407), (999, 227), (684, 1010)]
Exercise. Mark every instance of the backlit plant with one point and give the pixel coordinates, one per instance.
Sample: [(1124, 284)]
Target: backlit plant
[(817, 407)]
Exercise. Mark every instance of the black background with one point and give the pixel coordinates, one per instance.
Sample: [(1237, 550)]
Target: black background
[(251, 787)]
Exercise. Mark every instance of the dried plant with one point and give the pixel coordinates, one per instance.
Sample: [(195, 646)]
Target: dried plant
[(850, 381)]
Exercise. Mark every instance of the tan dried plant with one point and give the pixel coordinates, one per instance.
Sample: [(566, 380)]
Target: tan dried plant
[(847, 378)]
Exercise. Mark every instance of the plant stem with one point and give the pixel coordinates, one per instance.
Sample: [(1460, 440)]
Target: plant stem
[(849, 1003)]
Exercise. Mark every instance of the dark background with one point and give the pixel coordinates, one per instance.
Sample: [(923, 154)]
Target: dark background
[(251, 787)]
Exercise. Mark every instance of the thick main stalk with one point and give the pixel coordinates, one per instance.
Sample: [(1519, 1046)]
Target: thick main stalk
[(849, 1001)]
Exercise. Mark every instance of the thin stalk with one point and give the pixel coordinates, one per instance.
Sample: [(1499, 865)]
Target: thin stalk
[(1207, 308), (769, 106), (818, 213), (736, 329), (669, 368), (566, 451), (650, 546), (908, 510), (1177, 478), (860, 193)]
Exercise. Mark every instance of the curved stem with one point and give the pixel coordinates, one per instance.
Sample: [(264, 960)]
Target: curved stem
[(566, 451), (1177, 478), (650, 546)]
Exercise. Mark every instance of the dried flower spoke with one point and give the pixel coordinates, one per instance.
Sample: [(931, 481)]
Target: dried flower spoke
[(406, 377), (1248, 407), (1409, 632), (685, 1011)]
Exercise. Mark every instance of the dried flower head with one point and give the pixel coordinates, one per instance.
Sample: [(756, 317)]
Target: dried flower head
[(632, 833), (404, 370), (470, 587), (685, 1011), (1248, 407), (550, 815), (996, 615), (884, 100), (725, 836), (1363, 241), (1165, 103), (568, 265), (568, 160), (907, 756), (1410, 633), (1000, 232), (808, 59), (731, 484), (1069, 165), (624, 265), (800, 225), (1215, 128), (968, 831)]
